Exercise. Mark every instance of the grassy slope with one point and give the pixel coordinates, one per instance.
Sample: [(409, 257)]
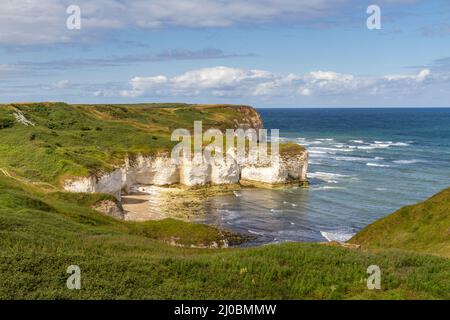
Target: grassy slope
[(81, 139), (424, 227), (42, 234)]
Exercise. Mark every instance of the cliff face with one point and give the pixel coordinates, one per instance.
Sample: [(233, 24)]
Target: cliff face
[(249, 118), (161, 170)]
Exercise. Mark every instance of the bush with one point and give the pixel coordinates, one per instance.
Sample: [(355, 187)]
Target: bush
[(6, 123)]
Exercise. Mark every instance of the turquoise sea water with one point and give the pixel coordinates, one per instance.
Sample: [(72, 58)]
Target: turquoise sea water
[(364, 164)]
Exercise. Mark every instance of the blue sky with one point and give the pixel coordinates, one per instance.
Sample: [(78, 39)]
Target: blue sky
[(267, 53)]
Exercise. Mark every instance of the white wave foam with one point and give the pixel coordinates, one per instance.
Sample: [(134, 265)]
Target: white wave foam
[(328, 188), (352, 159), (387, 144), (254, 232), (313, 151), (357, 141), (339, 236), (407, 161), (326, 175), (401, 144), (331, 150), (370, 164), (379, 145)]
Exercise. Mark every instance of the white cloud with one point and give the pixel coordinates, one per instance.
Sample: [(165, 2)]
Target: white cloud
[(141, 85), (328, 82), (62, 84), (218, 81), (235, 82), (44, 21), (305, 91), (420, 77)]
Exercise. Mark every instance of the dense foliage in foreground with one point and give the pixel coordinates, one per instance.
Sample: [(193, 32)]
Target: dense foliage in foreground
[(42, 233)]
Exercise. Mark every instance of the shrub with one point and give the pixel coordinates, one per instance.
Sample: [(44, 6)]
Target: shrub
[(6, 123)]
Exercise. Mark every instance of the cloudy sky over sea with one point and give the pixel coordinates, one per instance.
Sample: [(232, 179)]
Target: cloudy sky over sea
[(267, 53)]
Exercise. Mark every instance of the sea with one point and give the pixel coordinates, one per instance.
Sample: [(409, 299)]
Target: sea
[(364, 163)]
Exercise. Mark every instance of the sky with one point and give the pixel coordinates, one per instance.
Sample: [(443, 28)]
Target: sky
[(264, 53)]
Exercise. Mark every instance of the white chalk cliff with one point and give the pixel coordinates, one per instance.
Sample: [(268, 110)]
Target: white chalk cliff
[(161, 170)]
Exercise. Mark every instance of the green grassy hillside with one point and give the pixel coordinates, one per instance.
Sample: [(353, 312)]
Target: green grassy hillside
[(424, 227), (77, 140), (41, 234)]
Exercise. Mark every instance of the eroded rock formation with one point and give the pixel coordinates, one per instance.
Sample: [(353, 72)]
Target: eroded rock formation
[(161, 170)]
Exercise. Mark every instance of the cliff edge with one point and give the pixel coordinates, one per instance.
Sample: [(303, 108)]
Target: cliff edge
[(111, 148)]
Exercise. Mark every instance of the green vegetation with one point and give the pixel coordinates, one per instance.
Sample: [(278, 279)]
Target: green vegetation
[(291, 149), (43, 230), (42, 233), (424, 227), (77, 140)]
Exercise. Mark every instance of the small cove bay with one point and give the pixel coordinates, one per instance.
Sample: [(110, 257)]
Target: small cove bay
[(363, 165)]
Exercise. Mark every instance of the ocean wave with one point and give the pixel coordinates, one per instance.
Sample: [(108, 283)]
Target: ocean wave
[(326, 175), (342, 158), (356, 141), (370, 164), (386, 144), (407, 161), (339, 236), (328, 188), (312, 151), (331, 150), (379, 145)]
